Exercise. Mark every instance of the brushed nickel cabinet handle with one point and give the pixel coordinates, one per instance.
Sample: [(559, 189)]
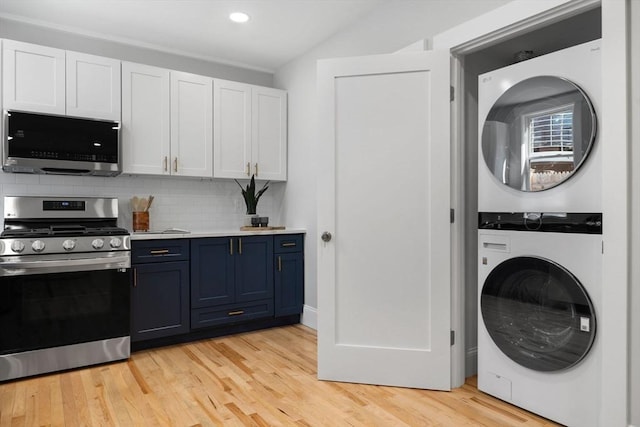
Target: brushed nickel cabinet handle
[(164, 163), (230, 246), (248, 168), (240, 246), (135, 277), (256, 169), (175, 164), (279, 263), (288, 244), (235, 313)]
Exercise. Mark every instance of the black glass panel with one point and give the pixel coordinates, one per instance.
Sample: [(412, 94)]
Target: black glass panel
[(38, 136), (555, 222), (538, 314), (49, 310)]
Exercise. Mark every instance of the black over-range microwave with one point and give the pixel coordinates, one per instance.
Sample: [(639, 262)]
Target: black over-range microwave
[(42, 143)]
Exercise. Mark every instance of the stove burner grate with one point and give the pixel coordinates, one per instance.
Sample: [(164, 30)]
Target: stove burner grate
[(63, 231)]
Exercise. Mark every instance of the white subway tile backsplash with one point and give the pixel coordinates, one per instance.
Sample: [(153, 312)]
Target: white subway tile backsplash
[(192, 204), (27, 179)]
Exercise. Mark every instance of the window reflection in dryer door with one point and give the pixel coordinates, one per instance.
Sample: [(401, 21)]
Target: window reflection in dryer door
[(538, 133)]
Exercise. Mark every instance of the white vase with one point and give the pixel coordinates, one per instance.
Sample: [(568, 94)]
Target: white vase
[(247, 219)]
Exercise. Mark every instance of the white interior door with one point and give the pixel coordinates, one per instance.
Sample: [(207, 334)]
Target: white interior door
[(384, 277)]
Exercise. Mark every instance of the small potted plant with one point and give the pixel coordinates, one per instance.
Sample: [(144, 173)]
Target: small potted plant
[(251, 197)]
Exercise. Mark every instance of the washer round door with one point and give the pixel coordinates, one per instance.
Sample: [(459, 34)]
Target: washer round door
[(538, 313)]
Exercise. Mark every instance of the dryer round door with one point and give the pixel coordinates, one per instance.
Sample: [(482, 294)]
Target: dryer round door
[(538, 313), (538, 133)]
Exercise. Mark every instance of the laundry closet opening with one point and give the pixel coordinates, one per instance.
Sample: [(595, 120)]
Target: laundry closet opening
[(570, 31)]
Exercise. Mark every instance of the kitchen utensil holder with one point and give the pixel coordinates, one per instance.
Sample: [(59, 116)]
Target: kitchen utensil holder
[(141, 221)]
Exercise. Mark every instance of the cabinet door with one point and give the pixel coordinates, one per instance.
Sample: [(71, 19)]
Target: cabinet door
[(160, 300), (191, 125), (93, 86), (212, 271), (231, 129), (145, 119), (254, 268), (289, 284), (269, 133), (33, 78)]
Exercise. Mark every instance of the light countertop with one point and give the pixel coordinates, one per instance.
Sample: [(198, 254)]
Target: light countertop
[(153, 235)]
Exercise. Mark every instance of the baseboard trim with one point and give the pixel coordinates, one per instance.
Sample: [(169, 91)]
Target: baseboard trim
[(310, 317)]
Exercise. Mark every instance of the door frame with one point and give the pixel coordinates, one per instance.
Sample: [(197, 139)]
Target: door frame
[(519, 17)]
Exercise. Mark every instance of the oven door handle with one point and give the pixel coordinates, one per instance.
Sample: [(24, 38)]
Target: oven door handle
[(65, 265)]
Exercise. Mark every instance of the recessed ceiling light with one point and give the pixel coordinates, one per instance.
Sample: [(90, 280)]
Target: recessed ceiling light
[(239, 17)]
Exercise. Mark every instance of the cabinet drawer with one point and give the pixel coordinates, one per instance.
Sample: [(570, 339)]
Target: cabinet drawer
[(159, 250), (287, 243), (205, 317)]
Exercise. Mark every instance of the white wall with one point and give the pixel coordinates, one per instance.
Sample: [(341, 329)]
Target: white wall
[(389, 28)]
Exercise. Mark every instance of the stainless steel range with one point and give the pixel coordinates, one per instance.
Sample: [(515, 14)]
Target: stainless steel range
[(64, 284)]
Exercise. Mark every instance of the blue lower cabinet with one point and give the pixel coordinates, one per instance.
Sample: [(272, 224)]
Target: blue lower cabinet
[(289, 274), (187, 289), (231, 275), (159, 300), (160, 288), (289, 284)]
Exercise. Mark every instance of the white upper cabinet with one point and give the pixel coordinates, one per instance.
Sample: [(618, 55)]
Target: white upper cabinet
[(145, 119), (191, 122), (269, 133), (53, 81), (166, 122), (231, 129), (249, 125), (93, 86), (33, 78)]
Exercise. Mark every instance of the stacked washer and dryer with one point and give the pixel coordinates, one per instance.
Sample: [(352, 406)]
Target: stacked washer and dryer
[(540, 235)]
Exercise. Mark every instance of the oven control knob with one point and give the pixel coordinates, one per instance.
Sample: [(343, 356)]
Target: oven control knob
[(115, 243), (17, 246), (68, 245), (97, 244), (38, 246)]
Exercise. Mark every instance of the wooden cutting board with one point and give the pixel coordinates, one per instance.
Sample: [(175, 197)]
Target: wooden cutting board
[(270, 227)]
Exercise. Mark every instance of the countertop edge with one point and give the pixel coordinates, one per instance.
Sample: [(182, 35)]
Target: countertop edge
[(217, 233)]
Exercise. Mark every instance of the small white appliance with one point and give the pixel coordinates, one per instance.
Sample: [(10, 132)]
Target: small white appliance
[(539, 148), (539, 297)]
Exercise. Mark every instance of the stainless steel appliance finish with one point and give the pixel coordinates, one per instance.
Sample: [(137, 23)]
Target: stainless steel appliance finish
[(85, 208), (64, 285), (36, 362), (62, 145)]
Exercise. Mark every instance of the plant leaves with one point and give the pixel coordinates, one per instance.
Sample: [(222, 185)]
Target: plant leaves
[(264, 188), (250, 196), (241, 187)]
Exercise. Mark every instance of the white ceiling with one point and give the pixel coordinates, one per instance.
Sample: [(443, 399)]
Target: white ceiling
[(279, 30)]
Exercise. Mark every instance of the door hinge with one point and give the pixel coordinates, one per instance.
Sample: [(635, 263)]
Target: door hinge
[(453, 337), (452, 93), (452, 215)]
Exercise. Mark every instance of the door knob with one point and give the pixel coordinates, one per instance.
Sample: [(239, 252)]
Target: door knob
[(326, 236)]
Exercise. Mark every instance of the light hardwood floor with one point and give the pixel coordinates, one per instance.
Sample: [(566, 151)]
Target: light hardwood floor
[(264, 378)]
